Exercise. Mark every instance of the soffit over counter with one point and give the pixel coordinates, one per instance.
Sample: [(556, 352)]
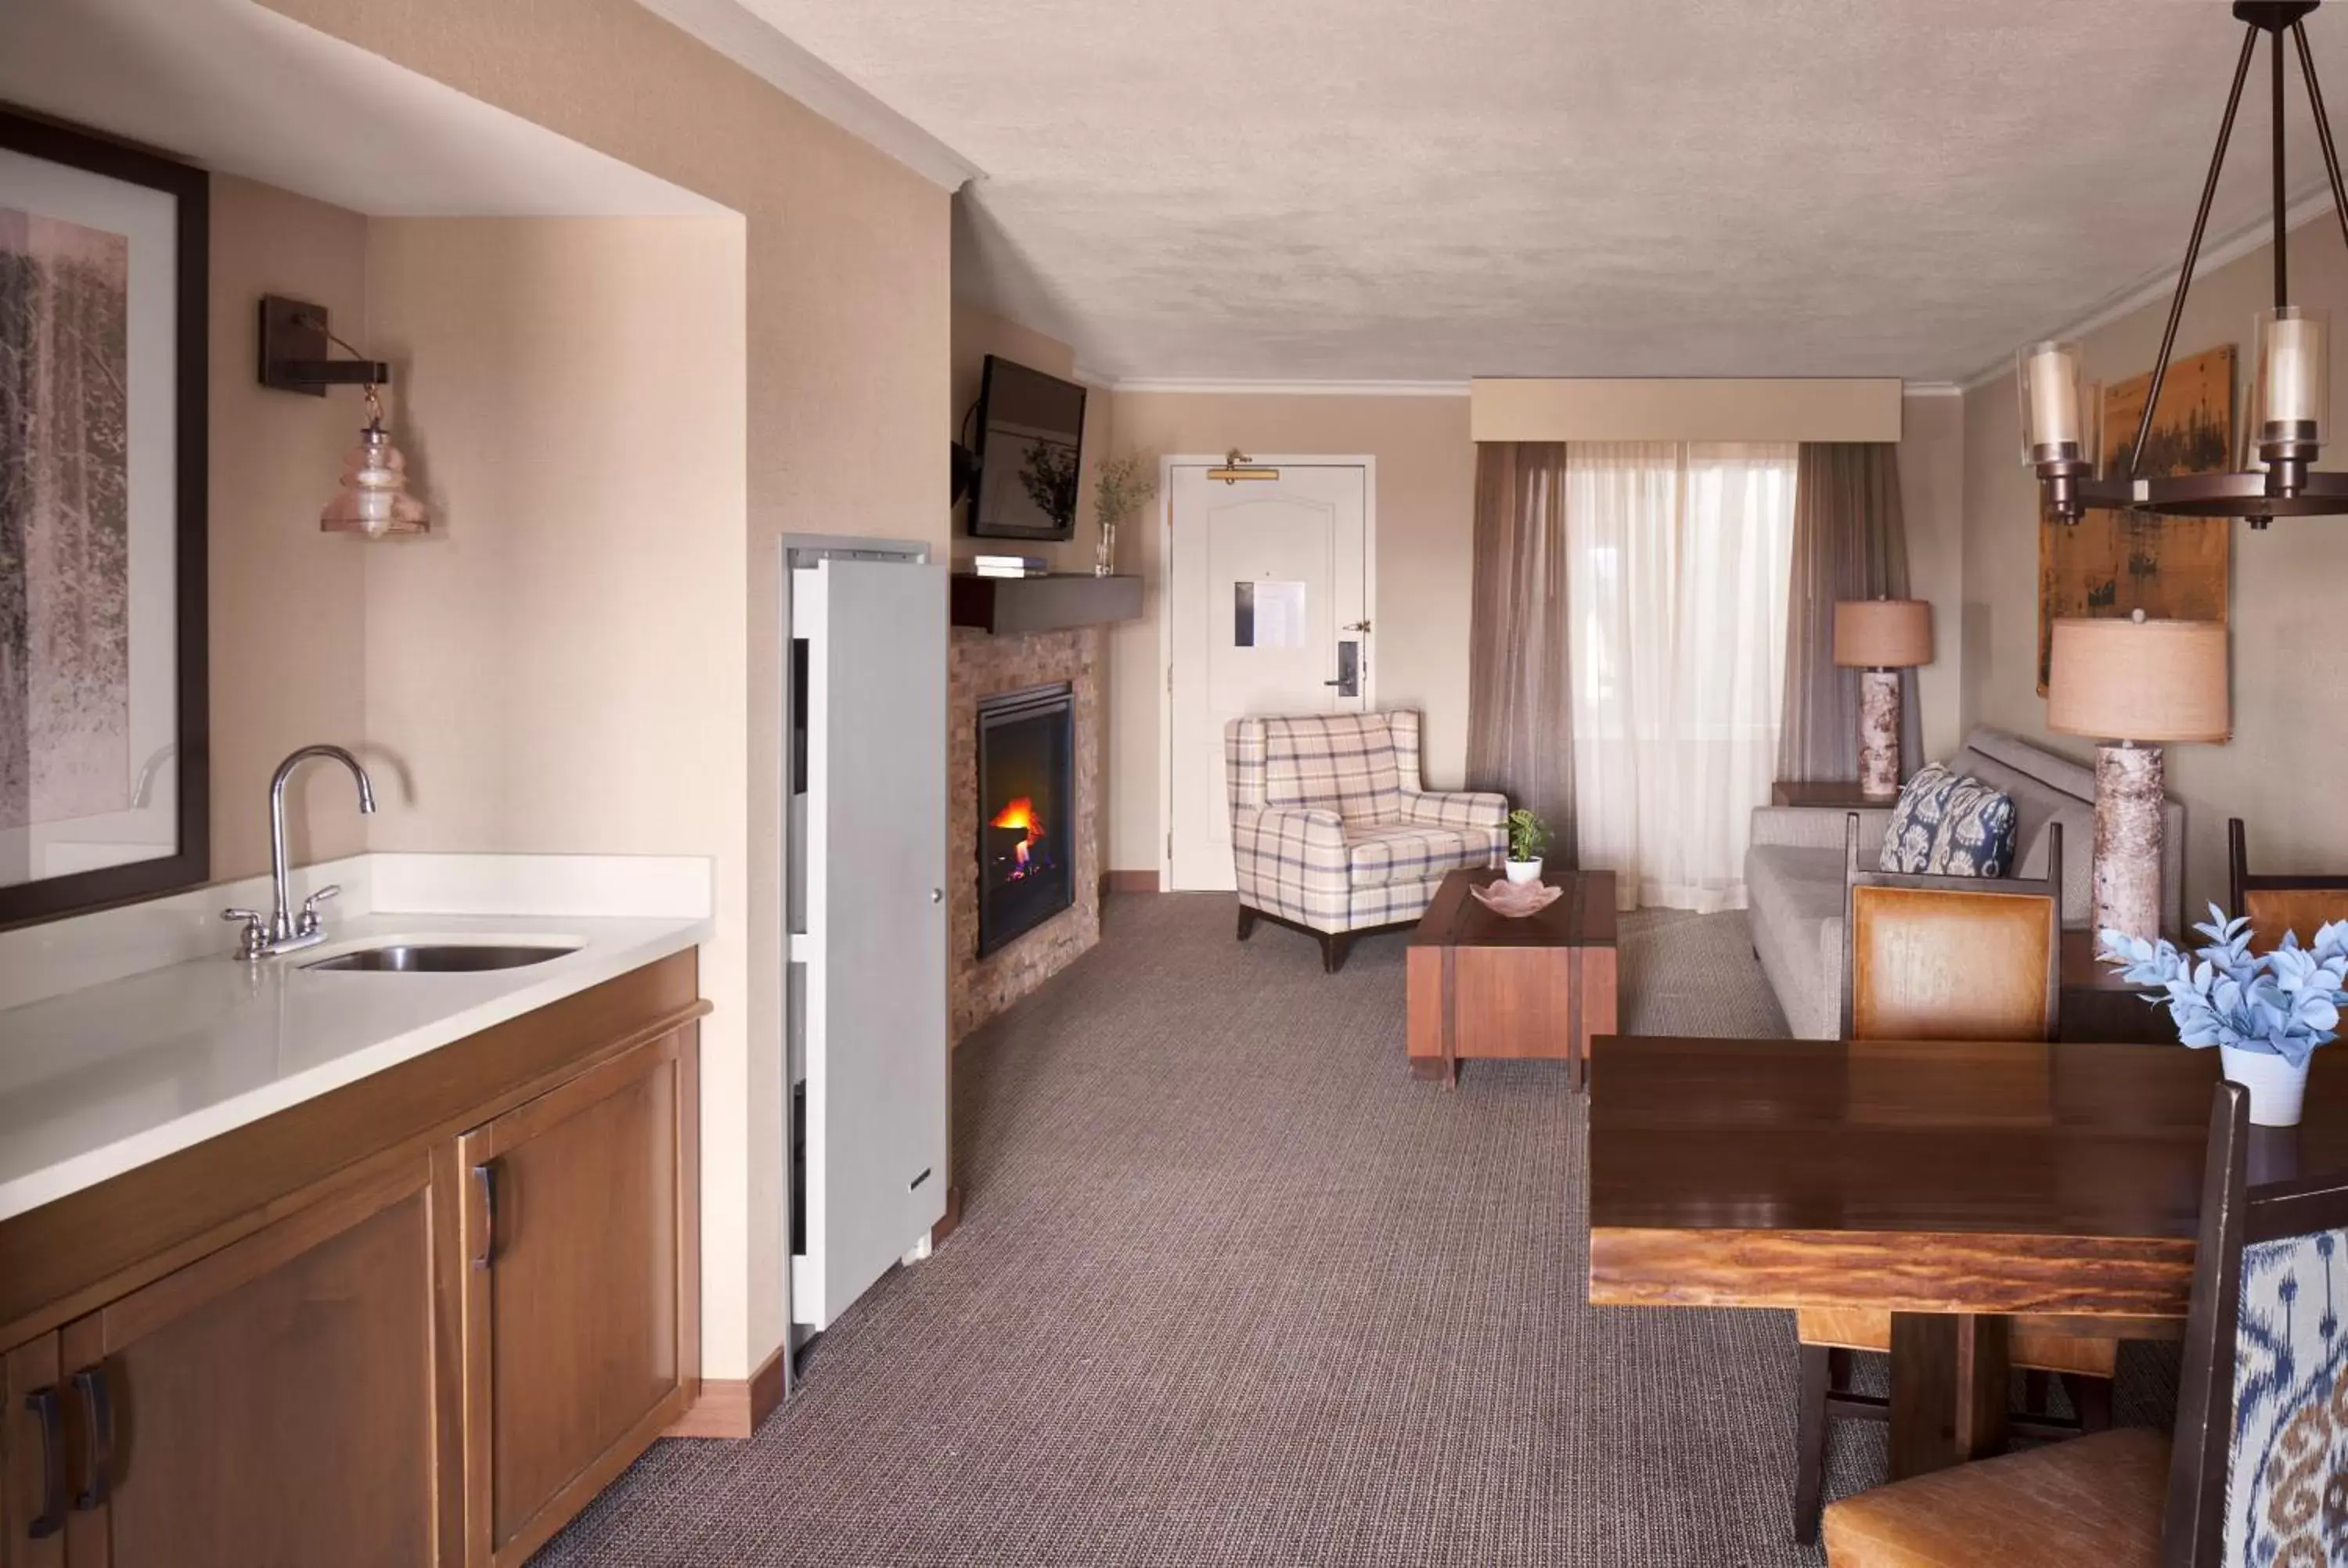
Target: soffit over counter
[(1712, 408)]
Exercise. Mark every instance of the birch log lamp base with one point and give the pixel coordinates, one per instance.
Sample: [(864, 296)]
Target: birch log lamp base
[(2125, 681), (1879, 638)]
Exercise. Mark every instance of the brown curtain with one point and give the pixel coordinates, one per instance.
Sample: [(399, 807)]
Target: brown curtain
[(1519, 703), (1850, 541)]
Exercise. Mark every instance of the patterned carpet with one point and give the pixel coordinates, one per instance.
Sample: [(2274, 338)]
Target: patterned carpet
[(1233, 1289)]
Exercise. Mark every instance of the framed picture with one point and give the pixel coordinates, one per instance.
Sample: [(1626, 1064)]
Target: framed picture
[(104, 785), (2114, 563)]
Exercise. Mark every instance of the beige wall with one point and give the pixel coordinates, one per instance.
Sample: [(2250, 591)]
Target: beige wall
[(288, 602), (1931, 503), (847, 355), (2288, 654), (559, 666), (1424, 502)]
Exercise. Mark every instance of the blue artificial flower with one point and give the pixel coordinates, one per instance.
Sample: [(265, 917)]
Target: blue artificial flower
[(2283, 1003)]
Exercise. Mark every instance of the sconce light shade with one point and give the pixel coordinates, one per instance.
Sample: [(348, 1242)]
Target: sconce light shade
[(1882, 633), (373, 498)]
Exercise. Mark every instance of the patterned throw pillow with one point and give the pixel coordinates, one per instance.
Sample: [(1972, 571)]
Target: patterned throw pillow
[(1950, 825), (2291, 1404)]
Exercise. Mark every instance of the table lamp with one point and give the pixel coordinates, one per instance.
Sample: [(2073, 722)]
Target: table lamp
[(2123, 681), (1879, 638)]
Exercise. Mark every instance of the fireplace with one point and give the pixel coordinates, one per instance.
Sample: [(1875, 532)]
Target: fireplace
[(1026, 797)]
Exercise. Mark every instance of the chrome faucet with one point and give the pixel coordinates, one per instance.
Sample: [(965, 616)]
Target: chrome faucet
[(285, 931)]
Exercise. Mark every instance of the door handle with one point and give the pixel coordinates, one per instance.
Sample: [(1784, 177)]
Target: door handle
[(97, 1436), (50, 1412), (1349, 669), (485, 1182)]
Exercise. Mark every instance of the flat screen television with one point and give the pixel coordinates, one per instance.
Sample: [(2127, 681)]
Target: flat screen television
[(1031, 431)]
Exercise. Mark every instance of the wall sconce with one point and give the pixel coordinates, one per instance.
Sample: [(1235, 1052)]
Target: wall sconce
[(296, 356)]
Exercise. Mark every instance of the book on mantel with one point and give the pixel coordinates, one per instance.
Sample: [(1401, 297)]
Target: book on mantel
[(1004, 565)]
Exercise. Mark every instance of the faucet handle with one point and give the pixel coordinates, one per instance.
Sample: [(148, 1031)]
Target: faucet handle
[(310, 920), (255, 938)]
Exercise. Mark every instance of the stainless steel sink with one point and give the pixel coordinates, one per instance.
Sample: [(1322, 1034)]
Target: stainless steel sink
[(441, 957)]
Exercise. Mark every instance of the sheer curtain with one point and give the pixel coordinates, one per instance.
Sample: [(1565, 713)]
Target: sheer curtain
[(1679, 559)]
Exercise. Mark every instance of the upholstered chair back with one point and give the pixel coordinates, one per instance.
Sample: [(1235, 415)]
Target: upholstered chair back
[(2303, 902), (1351, 763), (2261, 1436), (1950, 958)]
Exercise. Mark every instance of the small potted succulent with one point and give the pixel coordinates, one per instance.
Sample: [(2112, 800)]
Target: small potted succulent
[(1528, 836), (2266, 1013)]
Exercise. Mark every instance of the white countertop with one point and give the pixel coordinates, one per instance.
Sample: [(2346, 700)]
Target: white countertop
[(100, 1079)]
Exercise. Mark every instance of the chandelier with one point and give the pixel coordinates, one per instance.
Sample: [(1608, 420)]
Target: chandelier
[(2290, 398)]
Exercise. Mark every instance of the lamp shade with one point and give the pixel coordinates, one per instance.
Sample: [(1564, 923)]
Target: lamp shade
[(1882, 633), (2140, 681)]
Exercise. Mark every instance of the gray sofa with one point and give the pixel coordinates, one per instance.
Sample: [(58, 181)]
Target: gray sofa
[(1794, 868)]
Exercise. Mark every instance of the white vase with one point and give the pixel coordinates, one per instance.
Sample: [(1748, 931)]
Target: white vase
[(2276, 1086), (1524, 870)]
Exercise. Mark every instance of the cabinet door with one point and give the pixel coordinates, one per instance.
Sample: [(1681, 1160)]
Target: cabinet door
[(272, 1405), (581, 1296), (34, 1483)]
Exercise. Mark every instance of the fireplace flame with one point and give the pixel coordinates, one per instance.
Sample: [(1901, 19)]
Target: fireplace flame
[(1019, 813)]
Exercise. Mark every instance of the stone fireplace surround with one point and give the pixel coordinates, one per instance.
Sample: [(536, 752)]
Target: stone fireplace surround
[(979, 665)]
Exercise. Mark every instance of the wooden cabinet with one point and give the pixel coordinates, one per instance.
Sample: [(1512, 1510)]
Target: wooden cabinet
[(580, 1295), (415, 1323), (272, 1404)]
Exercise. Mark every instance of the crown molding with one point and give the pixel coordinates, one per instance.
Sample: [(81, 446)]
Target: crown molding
[(760, 48), (1291, 388), (2158, 286)]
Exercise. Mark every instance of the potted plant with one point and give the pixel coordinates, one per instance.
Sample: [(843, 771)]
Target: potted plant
[(1528, 836), (2265, 1014), (1122, 488)]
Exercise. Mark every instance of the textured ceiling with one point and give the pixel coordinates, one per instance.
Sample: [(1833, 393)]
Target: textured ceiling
[(1386, 189)]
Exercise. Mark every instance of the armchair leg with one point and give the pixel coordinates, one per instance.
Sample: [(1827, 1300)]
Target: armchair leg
[(1247, 922), (1335, 946)]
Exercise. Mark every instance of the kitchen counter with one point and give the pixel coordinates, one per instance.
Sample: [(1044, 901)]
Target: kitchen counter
[(100, 1079)]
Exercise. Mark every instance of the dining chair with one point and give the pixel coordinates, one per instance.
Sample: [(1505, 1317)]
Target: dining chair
[(1950, 957), (2277, 902), (2250, 1473)]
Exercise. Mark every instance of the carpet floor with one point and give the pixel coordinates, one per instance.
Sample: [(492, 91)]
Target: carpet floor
[(1231, 1288)]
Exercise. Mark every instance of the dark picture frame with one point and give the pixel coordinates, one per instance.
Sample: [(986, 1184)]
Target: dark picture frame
[(186, 758)]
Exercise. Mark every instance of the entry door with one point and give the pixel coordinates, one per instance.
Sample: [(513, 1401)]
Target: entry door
[(876, 872), (1269, 615)]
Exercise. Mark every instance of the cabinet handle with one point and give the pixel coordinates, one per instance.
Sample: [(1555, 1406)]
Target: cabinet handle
[(485, 1179), (98, 1437), (49, 1410)]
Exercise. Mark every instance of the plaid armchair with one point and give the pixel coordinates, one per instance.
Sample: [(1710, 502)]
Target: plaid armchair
[(1331, 833)]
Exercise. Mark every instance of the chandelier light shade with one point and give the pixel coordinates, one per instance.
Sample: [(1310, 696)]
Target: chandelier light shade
[(2290, 398)]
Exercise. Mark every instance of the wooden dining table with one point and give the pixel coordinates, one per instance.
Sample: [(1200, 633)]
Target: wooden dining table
[(1952, 1183)]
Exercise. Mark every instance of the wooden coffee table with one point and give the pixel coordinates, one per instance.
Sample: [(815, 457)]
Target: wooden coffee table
[(1484, 986)]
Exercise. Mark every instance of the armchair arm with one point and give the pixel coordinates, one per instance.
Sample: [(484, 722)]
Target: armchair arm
[(1816, 827), (1456, 808), (1290, 861)]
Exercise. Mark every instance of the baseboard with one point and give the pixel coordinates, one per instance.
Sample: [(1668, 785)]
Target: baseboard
[(1127, 881), (732, 1407), (950, 1219)]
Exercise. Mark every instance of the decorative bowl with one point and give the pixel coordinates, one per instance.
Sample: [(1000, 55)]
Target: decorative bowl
[(1517, 899)]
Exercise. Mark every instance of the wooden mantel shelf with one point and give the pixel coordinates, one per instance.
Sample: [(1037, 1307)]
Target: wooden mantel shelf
[(1010, 606)]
